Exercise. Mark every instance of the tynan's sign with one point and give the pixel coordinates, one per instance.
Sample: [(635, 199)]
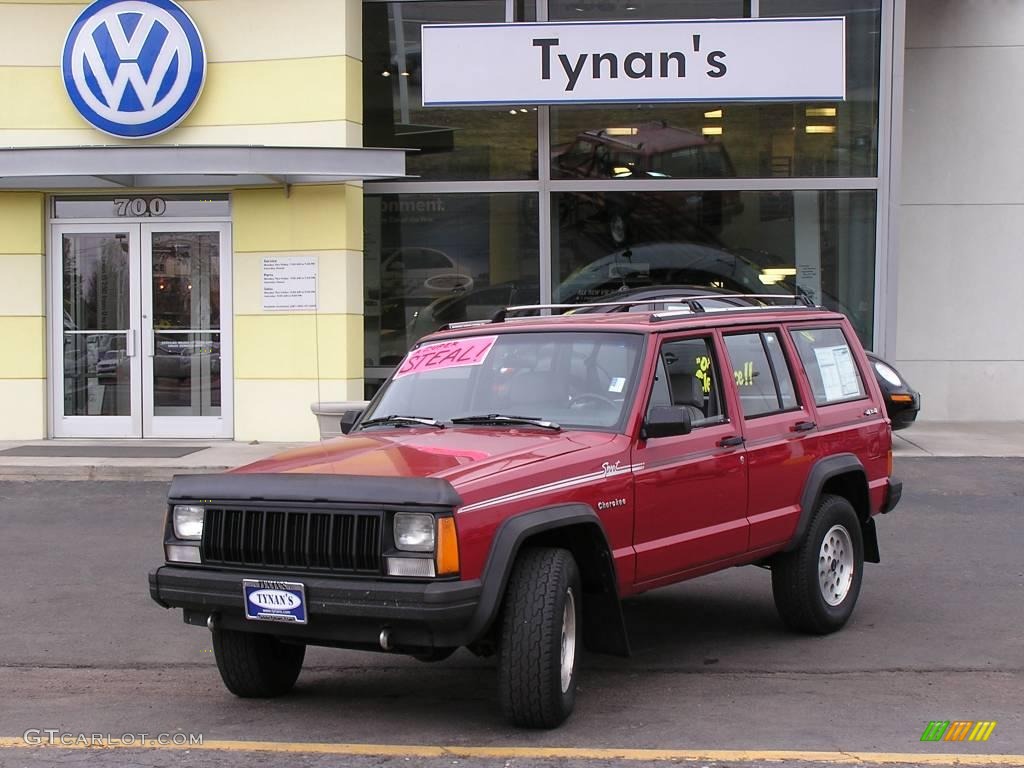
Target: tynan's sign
[(593, 62), (134, 68)]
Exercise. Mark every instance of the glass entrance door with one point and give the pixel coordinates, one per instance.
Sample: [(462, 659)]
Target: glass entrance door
[(97, 366), (186, 386), (144, 347)]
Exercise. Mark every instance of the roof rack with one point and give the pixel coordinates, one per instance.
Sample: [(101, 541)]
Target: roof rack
[(693, 305), (766, 301)]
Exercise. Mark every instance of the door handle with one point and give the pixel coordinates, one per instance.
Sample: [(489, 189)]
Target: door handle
[(730, 442), (803, 426), (129, 344)]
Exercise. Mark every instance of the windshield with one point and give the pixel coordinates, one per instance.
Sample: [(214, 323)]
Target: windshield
[(577, 380)]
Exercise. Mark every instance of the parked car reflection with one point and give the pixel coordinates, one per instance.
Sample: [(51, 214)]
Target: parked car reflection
[(645, 150), (414, 271), (654, 264)]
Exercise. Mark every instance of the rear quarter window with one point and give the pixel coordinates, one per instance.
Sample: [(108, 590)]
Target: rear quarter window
[(830, 365)]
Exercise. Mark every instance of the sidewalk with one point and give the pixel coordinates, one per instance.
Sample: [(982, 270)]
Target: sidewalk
[(161, 459), (127, 459)]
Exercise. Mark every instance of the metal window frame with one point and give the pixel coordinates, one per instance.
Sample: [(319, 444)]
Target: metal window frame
[(883, 183)]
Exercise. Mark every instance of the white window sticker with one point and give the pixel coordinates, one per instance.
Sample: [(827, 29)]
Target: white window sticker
[(618, 384), (838, 372)]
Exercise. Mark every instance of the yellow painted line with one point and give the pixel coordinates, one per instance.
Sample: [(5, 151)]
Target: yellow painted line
[(580, 753)]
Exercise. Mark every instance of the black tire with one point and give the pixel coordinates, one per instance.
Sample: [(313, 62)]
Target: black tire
[(796, 583), (530, 649), (255, 666)]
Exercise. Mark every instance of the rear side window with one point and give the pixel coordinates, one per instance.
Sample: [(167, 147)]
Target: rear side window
[(761, 374), (831, 368)]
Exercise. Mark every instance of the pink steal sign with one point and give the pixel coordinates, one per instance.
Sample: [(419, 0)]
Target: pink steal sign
[(446, 354)]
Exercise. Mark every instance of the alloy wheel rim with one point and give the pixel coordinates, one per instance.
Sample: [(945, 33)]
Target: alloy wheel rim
[(835, 565), (568, 655)]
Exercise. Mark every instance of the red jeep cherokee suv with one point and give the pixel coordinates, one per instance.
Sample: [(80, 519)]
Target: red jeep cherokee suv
[(515, 479)]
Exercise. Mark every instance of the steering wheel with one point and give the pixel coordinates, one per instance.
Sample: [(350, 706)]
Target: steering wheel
[(582, 400)]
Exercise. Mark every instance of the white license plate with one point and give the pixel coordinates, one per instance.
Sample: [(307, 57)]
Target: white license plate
[(268, 600)]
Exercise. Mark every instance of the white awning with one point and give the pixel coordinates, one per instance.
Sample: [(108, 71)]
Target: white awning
[(117, 167)]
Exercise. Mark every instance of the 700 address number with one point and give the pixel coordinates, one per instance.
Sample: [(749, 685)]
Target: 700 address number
[(140, 206)]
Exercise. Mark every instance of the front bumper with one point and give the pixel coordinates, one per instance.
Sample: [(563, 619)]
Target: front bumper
[(893, 494), (903, 414), (344, 613)]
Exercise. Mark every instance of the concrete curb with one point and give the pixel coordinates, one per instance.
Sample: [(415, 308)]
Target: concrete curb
[(137, 474)]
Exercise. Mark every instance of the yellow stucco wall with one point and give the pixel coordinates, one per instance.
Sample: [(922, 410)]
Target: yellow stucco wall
[(279, 74), (286, 360), (22, 317)]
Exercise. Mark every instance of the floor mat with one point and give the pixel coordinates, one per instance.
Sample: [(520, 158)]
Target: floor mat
[(102, 451)]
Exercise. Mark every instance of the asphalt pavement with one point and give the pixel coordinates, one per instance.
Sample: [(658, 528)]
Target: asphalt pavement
[(714, 676)]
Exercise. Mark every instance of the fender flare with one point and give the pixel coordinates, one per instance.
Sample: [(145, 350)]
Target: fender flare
[(601, 605), (821, 472)]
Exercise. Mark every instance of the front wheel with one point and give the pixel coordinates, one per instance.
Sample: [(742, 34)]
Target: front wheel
[(816, 586), (255, 666), (537, 655)]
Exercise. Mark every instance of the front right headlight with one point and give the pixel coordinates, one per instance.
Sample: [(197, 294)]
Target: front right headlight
[(887, 373), (414, 532), (188, 522)]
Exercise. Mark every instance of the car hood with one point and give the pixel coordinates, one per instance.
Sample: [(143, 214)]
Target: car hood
[(458, 455)]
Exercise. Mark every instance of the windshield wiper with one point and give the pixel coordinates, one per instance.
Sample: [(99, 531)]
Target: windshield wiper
[(396, 420), (502, 418)]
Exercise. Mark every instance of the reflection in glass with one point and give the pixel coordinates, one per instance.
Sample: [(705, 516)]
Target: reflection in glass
[(821, 243), (186, 374), (627, 10), (782, 140), (186, 319), (95, 296), (460, 144), (431, 260)]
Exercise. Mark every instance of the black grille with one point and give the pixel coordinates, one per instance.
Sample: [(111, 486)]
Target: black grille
[(322, 541)]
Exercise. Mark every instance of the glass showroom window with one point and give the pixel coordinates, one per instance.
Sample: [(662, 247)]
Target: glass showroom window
[(822, 243), (637, 194), (431, 260), (453, 144), (710, 140)]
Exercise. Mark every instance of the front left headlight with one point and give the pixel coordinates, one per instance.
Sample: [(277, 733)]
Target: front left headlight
[(888, 374), (414, 532), (188, 522)]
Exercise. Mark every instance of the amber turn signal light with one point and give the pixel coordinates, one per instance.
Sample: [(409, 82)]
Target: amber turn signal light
[(447, 547)]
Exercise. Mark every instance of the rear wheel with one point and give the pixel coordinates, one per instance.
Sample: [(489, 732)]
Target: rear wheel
[(816, 586), (255, 666), (540, 626)]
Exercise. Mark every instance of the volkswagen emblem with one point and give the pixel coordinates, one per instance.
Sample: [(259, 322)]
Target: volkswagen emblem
[(134, 68)]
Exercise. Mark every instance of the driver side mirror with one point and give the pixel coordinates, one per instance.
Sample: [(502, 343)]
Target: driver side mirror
[(667, 421), (348, 420)]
